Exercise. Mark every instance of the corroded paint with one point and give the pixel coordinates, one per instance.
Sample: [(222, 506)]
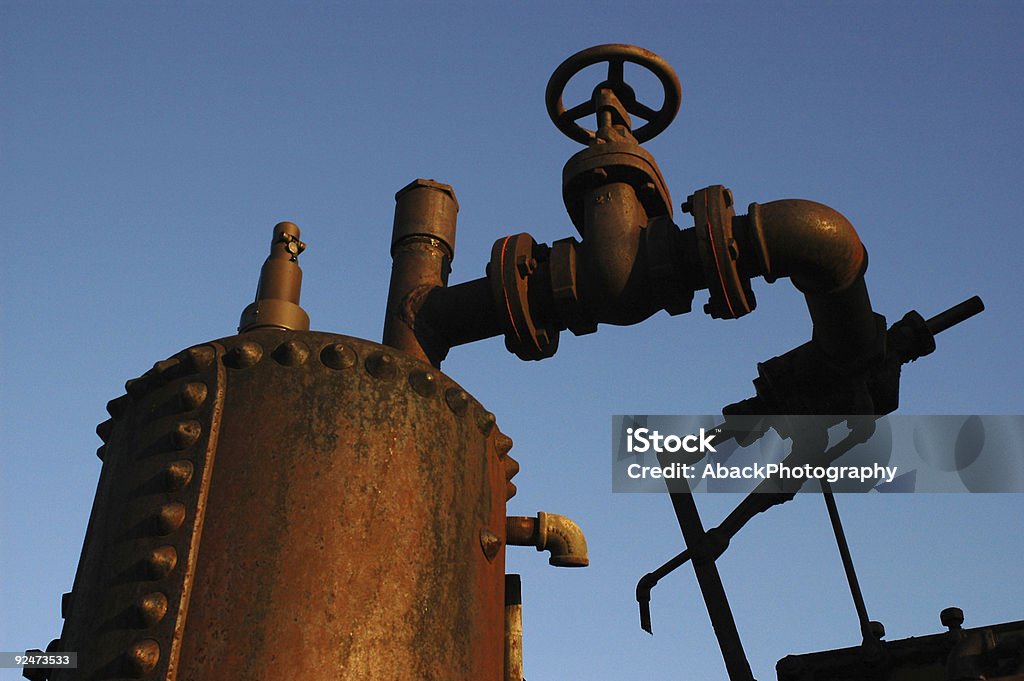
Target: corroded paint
[(132, 588), (342, 536), (336, 536)]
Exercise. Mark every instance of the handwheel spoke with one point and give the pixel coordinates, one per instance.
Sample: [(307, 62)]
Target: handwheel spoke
[(615, 74), (579, 111), (642, 110)]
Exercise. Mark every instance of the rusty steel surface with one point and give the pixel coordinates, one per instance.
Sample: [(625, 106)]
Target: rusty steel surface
[(352, 526), (134, 579), (995, 653)]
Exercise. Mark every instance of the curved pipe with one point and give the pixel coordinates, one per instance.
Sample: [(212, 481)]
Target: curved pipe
[(549, 532), (820, 251), (812, 244)]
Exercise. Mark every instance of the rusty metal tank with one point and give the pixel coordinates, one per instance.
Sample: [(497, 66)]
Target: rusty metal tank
[(293, 504)]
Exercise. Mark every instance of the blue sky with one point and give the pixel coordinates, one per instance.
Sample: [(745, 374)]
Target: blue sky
[(147, 150)]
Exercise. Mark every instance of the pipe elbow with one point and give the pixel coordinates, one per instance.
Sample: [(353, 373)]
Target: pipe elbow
[(551, 532), (811, 243)]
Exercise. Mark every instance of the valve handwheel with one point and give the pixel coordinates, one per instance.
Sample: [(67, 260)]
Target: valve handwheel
[(615, 55)]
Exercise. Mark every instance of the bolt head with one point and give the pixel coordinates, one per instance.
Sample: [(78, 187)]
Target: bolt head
[(687, 205), (952, 618)]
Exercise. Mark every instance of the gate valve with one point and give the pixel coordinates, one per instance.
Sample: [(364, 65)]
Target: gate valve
[(614, 153)]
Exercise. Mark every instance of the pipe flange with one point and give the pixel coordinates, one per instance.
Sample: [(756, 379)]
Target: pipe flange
[(731, 295), (513, 259)]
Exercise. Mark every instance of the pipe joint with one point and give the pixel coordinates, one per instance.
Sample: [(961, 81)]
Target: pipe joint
[(809, 242), (551, 532)]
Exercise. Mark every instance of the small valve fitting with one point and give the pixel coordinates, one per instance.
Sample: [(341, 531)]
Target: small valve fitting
[(549, 532), (277, 296)]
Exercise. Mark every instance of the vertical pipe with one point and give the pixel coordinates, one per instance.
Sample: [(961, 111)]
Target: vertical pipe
[(513, 628), (422, 249)]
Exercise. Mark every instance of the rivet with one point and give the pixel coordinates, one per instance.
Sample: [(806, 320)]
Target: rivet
[(178, 474), (101, 452), (117, 406), (511, 467), (192, 396), (423, 382), (65, 604), (291, 353), (200, 357), (485, 422), (142, 657), (502, 443), (338, 356), (186, 433), (166, 365), (137, 387), (490, 543), (161, 561), (952, 618), (104, 429), (244, 356), (170, 517), (458, 400), (380, 365), (151, 608), (35, 673)]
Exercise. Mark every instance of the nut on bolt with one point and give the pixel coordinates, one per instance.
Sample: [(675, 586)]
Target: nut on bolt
[(952, 618)]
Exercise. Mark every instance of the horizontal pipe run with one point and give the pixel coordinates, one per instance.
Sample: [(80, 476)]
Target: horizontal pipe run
[(460, 314)]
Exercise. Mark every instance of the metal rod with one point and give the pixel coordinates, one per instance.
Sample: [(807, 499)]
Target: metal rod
[(711, 588), (955, 314), (868, 637)]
